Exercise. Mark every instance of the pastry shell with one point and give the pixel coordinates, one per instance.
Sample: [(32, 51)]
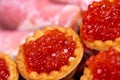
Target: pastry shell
[(54, 75), (87, 74), (100, 45), (12, 67)]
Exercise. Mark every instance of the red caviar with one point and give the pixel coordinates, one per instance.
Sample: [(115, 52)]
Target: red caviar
[(4, 72), (101, 21), (49, 52), (105, 65)]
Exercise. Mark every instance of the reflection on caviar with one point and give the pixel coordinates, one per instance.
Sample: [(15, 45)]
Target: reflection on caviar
[(4, 72), (102, 21), (105, 65), (49, 52)]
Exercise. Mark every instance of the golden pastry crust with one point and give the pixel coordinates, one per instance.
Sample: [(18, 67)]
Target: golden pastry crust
[(100, 45), (54, 75), (87, 74), (12, 67)]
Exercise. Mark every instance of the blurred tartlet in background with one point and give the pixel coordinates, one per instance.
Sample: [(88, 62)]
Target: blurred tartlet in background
[(8, 68)]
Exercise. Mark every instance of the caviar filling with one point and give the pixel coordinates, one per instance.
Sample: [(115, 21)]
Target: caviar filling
[(105, 65), (101, 21), (49, 52), (4, 72)]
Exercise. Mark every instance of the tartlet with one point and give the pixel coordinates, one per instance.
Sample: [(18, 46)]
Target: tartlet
[(8, 68), (52, 62), (103, 66), (100, 27)]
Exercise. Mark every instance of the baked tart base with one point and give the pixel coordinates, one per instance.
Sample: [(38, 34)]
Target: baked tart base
[(100, 45), (53, 75), (87, 74), (12, 67)]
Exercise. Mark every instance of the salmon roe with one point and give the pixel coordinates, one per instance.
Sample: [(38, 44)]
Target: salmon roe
[(101, 21), (105, 65), (4, 72), (49, 52)]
